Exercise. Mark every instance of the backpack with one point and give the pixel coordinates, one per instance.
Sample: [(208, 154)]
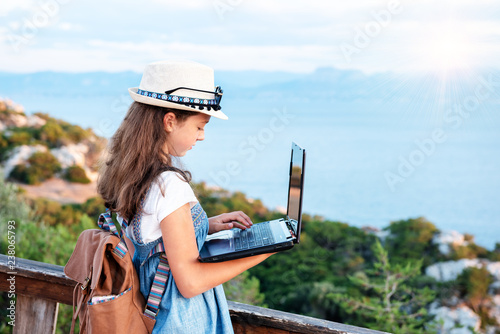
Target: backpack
[(107, 295)]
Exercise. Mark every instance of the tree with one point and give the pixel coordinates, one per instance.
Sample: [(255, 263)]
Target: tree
[(12, 207), (37, 241), (388, 302), (411, 239), (294, 280)]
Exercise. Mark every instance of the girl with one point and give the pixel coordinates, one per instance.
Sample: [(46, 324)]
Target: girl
[(173, 104)]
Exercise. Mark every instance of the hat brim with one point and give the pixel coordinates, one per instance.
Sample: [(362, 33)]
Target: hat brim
[(166, 104)]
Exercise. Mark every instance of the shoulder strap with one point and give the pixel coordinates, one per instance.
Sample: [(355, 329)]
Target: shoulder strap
[(76, 308), (158, 287), (106, 223)]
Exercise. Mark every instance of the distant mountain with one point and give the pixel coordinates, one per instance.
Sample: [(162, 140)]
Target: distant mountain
[(324, 84), (83, 84), (244, 83)]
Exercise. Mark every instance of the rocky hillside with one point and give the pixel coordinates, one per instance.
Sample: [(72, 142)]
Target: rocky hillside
[(472, 304), (46, 156), (466, 276)]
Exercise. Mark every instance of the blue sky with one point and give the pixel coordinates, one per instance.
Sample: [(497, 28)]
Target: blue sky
[(291, 36)]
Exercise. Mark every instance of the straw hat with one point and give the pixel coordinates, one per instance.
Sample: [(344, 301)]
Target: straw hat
[(179, 85)]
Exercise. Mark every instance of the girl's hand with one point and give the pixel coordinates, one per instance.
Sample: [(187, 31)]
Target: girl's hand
[(193, 277), (227, 221)]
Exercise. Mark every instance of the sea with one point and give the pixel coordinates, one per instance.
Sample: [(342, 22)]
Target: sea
[(388, 150)]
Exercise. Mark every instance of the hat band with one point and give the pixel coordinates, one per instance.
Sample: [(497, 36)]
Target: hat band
[(188, 101)]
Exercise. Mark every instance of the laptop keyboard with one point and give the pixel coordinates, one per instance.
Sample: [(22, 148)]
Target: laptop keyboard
[(258, 235)]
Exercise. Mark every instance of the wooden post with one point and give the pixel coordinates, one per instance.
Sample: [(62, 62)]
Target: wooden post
[(35, 315)]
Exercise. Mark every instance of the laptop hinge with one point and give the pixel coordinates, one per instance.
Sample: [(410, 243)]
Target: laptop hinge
[(292, 226)]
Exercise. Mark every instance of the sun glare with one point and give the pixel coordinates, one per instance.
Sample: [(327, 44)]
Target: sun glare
[(449, 52), (446, 49)]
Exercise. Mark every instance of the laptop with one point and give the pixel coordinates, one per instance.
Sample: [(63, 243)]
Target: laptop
[(266, 237)]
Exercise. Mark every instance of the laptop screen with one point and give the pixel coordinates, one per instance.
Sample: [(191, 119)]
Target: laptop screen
[(294, 210)]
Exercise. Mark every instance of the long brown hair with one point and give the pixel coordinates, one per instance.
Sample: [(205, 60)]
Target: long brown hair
[(136, 156)]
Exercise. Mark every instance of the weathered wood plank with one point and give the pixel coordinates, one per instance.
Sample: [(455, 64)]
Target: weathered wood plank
[(254, 316), (41, 289), (34, 269), (35, 315), (242, 328), (37, 279)]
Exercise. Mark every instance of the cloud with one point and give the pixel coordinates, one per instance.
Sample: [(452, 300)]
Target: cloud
[(121, 56), (315, 7), (9, 6), (66, 26), (288, 36), (175, 4)]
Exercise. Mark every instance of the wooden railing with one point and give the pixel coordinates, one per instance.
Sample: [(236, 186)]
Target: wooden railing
[(41, 286)]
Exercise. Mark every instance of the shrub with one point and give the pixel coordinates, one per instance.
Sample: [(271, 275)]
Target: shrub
[(46, 210), (41, 166), (495, 254), (473, 284), (76, 174), (75, 133), (52, 133), (93, 207), (20, 173), (17, 137), (4, 147), (471, 251), (57, 132), (20, 138)]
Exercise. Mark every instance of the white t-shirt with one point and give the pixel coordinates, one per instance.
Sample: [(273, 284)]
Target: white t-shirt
[(157, 206)]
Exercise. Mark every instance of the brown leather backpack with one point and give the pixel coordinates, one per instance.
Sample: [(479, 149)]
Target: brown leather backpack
[(107, 295)]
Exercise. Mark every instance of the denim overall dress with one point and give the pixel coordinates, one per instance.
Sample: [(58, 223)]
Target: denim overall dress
[(204, 313)]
